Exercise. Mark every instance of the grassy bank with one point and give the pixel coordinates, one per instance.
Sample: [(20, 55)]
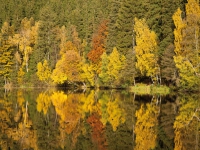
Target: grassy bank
[(150, 89)]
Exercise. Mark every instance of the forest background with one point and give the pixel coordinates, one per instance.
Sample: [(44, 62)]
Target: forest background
[(109, 43)]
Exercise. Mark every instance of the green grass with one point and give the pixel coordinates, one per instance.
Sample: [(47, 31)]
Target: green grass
[(143, 89)]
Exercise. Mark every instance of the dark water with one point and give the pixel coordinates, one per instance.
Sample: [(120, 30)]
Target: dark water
[(98, 120)]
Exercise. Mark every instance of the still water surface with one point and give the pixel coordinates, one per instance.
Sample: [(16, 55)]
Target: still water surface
[(98, 120)]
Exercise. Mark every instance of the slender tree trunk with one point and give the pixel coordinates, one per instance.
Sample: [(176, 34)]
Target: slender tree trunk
[(5, 80), (134, 80), (26, 64), (152, 80), (159, 76), (25, 118)]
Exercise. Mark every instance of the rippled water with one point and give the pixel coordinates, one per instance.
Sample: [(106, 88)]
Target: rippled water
[(98, 120)]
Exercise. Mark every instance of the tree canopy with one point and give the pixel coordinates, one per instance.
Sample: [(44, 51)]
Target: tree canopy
[(98, 43)]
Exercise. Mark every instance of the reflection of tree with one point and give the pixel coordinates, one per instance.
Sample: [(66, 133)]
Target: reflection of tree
[(122, 137), (21, 126), (5, 121), (98, 131), (187, 123), (104, 114), (43, 102), (111, 110), (84, 140), (146, 127), (166, 131), (16, 128), (116, 114), (16, 124), (23, 133), (67, 107), (104, 107), (43, 126), (90, 103)]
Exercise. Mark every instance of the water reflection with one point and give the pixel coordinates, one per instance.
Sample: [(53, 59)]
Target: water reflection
[(146, 126), (97, 120), (187, 123)]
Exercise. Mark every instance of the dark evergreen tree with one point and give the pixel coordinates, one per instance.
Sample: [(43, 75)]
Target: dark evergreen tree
[(129, 73), (46, 47), (168, 68), (112, 25), (165, 23), (124, 25)]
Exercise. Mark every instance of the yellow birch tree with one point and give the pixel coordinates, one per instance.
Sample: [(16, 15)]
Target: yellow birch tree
[(186, 43), (43, 71), (146, 50)]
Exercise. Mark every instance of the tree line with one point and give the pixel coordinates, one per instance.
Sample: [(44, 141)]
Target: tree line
[(114, 43)]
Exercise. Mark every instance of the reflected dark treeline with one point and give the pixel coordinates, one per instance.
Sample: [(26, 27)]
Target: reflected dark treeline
[(97, 120)]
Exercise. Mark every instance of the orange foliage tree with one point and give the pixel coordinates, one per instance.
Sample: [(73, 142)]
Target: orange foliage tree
[(67, 68), (98, 48), (98, 43), (98, 131)]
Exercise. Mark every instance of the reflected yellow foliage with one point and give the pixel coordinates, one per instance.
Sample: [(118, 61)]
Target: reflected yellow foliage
[(146, 127), (90, 103), (62, 135), (44, 71), (24, 109), (43, 103), (20, 131), (67, 107), (71, 112), (20, 98), (187, 137), (17, 116), (116, 115), (6, 105), (110, 111), (187, 123), (186, 113), (58, 100), (5, 117), (24, 135), (104, 113)]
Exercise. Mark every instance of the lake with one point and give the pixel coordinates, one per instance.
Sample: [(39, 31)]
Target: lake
[(52, 119)]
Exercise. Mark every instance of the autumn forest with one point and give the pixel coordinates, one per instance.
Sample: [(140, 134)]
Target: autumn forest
[(100, 43)]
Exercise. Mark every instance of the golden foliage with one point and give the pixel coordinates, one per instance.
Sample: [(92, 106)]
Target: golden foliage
[(43, 71), (90, 104), (111, 66), (43, 103), (186, 44), (146, 49), (25, 40), (116, 115), (88, 73), (67, 68), (186, 124), (146, 127)]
